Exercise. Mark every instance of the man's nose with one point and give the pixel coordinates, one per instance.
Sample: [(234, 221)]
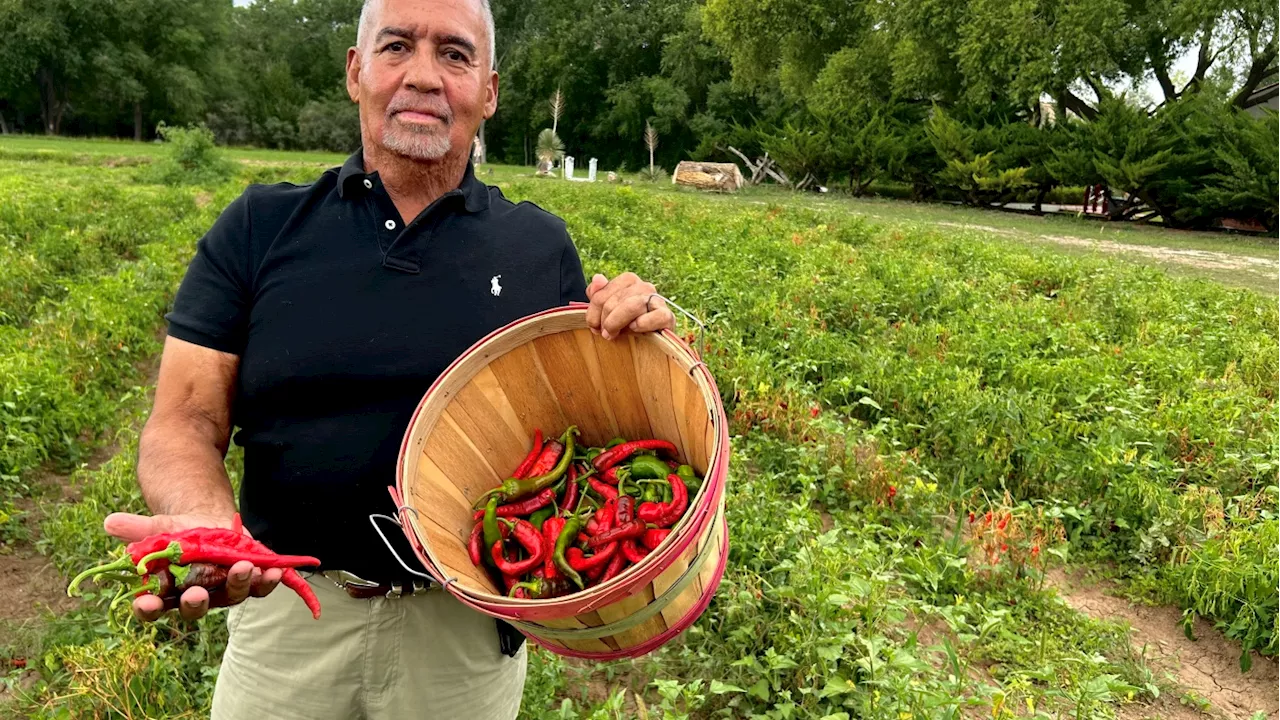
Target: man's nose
[(424, 73)]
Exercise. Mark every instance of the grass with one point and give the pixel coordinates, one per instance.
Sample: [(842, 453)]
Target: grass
[(885, 377)]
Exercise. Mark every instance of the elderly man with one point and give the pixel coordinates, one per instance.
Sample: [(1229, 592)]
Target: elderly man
[(314, 318)]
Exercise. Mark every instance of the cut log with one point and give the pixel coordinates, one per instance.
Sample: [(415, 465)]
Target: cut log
[(725, 177)]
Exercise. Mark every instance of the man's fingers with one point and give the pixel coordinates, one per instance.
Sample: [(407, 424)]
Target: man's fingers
[(659, 319), (600, 298), (239, 580), (621, 313), (130, 527), (598, 281), (194, 603), (265, 581), (148, 608)]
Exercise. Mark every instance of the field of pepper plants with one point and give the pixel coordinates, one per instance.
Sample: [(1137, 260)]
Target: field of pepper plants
[(929, 429)]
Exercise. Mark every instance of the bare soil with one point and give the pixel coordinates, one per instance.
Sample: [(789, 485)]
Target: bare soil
[(1208, 667)]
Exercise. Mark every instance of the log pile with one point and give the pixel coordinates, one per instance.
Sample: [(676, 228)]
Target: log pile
[(724, 177)]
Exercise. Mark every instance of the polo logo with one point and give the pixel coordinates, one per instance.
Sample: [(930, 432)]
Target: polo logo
[(494, 287)]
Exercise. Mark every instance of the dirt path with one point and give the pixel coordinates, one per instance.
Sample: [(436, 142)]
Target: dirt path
[(1202, 259), (1209, 666)]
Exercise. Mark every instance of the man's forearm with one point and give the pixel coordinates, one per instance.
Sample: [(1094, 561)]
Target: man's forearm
[(181, 470)]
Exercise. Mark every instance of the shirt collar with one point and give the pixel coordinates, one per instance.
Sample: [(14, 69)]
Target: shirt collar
[(352, 177)]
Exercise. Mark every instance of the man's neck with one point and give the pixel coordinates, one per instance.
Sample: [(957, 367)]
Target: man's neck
[(413, 184)]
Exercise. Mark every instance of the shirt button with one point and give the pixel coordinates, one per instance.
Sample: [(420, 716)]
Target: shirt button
[(391, 224), (368, 184)]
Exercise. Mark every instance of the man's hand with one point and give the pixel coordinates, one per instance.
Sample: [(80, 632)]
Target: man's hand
[(625, 303), (243, 579)]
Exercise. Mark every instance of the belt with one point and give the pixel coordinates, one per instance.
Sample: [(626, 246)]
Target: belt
[(361, 589)]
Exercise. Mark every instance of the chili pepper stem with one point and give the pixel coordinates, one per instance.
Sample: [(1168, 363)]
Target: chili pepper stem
[(172, 553), (124, 563), (148, 586)]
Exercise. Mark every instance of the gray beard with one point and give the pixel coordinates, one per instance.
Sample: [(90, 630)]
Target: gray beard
[(430, 145)]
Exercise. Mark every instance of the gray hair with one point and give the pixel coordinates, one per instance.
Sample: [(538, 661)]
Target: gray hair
[(366, 19)]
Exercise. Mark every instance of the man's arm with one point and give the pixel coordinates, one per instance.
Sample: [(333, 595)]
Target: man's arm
[(181, 471), (185, 441)]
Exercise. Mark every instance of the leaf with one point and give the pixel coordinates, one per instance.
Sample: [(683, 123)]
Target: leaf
[(835, 716), (838, 600), (868, 401), (837, 685), (760, 690), (1246, 661), (719, 688)]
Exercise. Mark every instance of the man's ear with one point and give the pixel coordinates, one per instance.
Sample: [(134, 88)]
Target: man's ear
[(491, 96), (353, 74)]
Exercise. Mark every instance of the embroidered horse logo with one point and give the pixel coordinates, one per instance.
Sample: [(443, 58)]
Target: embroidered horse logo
[(495, 288)]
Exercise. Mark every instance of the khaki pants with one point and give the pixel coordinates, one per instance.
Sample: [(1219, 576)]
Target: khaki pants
[(423, 656)]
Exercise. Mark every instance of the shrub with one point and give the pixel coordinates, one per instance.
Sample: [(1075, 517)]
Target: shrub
[(191, 157)]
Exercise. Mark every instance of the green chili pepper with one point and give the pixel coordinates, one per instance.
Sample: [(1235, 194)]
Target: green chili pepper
[(593, 452), (691, 480), (492, 534), (567, 535), (649, 466), (615, 442), (514, 489), (650, 493), (540, 516)]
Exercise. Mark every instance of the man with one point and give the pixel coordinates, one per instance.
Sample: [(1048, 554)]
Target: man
[(314, 318)]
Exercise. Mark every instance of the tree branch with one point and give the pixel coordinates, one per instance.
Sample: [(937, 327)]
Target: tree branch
[(1261, 68), (1069, 101)]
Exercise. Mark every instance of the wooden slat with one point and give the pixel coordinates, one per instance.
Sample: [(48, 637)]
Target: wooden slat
[(526, 388), (650, 628), (459, 461), (483, 425), (432, 495), (693, 418), (654, 377), (588, 645), (452, 557), (618, 370), (487, 383), (570, 379), (681, 605)]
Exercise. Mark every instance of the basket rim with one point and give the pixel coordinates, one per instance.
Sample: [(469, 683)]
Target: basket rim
[(709, 497)]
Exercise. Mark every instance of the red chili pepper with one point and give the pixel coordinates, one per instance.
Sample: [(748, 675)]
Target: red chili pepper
[(625, 531), (522, 471), (633, 553), (580, 562), (292, 580), (666, 514), (547, 460), (653, 538), (550, 534), (531, 540), (475, 545), (522, 508), (571, 491), (602, 519), (610, 475), (615, 567), (618, 453), (625, 509), (608, 492)]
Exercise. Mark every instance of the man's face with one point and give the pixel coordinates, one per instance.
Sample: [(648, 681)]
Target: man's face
[(423, 78)]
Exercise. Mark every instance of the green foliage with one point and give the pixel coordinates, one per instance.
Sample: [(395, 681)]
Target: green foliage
[(1245, 184), (192, 158), (974, 174), (550, 147), (332, 124)]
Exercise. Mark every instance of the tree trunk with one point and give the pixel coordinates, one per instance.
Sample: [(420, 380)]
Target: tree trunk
[(1044, 190), (137, 121), (484, 149), (4, 126), (1070, 102)]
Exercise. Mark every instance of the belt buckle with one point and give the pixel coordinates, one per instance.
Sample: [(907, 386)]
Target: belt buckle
[(342, 579), (398, 590)]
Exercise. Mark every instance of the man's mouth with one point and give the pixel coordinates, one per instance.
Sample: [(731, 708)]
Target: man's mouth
[(419, 117)]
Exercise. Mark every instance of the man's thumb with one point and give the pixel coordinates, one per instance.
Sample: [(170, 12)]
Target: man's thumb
[(130, 527)]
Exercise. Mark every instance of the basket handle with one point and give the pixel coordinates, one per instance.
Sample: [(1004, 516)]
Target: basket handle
[(373, 520), (702, 327)]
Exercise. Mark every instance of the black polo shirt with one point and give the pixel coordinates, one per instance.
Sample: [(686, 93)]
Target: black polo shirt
[(342, 317)]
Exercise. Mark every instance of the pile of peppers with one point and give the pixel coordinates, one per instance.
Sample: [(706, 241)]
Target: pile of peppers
[(167, 564), (571, 517)]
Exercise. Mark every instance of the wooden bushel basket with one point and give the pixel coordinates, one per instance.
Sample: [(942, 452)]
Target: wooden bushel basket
[(549, 371)]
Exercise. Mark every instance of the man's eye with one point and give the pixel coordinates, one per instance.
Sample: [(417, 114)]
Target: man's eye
[(456, 56), (395, 47)]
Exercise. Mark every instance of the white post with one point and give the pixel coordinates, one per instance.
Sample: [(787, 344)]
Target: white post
[(568, 167), (591, 171)]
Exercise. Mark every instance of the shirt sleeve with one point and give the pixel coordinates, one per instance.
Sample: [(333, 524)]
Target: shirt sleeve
[(212, 305), (573, 285)]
